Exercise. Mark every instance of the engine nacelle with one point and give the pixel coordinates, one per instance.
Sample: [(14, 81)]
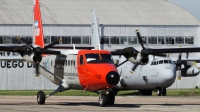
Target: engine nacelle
[(189, 71), (32, 58), (29, 58), (139, 59)]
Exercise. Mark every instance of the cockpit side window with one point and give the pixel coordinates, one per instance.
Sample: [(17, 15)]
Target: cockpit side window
[(81, 60), (154, 63), (166, 61)]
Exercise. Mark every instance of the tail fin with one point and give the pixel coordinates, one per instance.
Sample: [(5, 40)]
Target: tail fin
[(38, 38), (95, 41)]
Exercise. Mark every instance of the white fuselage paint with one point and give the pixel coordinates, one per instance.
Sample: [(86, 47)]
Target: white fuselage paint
[(160, 75), (67, 70)]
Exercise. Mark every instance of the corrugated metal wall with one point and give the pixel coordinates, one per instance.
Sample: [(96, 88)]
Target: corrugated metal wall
[(23, 78)]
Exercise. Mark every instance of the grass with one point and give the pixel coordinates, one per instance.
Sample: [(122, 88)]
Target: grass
[(170, 92)]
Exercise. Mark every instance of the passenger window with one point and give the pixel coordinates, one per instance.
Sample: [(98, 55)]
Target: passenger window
[(81, 59), (71, 62), (68, 62), (161, 62), (166, 61)]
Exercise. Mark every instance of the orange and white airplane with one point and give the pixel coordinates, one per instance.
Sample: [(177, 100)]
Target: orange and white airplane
[(84, 69)]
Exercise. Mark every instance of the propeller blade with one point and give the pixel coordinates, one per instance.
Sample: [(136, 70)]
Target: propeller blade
[(179, 56), (134, 67), (179, 75), (139, 38), (36, 69), (53, 43), (23, 40), (45, 51)]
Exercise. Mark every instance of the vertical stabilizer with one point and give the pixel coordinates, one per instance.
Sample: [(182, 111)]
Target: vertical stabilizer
[(38, 38), (95, 41)]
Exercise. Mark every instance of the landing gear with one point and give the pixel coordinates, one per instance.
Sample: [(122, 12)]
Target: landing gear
[(161, 91), (106, 99), (41, 97), (111, 98), (103, 100), (146, 92)]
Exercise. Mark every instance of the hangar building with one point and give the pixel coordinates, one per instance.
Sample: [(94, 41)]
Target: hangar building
[(160, 22)]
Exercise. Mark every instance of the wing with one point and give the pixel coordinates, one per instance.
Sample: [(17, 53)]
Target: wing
[(11, 58)]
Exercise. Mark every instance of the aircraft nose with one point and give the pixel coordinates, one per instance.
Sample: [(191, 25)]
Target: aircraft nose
[(168, 74), (112, 78), (166, 78)]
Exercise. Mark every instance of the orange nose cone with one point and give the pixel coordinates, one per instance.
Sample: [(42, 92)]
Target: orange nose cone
[(112, 78)]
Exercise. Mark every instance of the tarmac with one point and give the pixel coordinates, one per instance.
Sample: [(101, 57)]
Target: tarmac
[(90, 103)]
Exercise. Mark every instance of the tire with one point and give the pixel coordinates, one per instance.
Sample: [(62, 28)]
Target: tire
[(159, 92), (103, 100), (164, 92), (111, 98), (41, 97)]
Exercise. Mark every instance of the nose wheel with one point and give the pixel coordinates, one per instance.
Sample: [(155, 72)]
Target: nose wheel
[(161, 91), (106, 99), (103, 100)]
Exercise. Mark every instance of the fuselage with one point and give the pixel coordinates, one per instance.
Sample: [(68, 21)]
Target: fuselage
[(158, 72), (81, 69)]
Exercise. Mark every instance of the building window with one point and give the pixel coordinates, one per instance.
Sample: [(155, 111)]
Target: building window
[(1, 39), (132, 40), (54, 38), (105, 40), (7, 40), (189, 40), (114, 40), (15, 41), (66, 40), (169, 40), (86, 40), (152, 40), (179, 40), (47, 39), (76, 40), (161, 40), (124, 40)]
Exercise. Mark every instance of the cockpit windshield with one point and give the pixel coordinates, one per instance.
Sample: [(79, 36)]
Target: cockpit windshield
[(98, 58), (156, 62)]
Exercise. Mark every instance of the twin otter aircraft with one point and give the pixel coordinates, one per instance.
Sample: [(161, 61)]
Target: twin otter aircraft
[(91, 70)]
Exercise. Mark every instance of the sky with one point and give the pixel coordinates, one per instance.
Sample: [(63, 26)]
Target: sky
[(192, 6)]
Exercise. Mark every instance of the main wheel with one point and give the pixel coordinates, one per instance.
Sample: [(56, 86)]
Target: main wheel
[(164, 92), (103, 100), (41, 97), (111, 98)]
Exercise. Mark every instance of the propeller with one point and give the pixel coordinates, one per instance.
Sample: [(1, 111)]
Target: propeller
[(145, 52), (38, 51)]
